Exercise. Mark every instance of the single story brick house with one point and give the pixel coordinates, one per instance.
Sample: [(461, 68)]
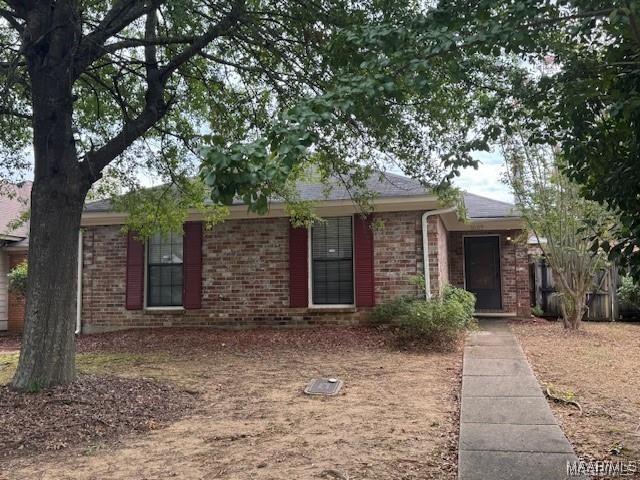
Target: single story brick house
[(255, 270), (14, 244)]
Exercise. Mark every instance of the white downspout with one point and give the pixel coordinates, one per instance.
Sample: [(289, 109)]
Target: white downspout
[(79, 287), (425, 246)]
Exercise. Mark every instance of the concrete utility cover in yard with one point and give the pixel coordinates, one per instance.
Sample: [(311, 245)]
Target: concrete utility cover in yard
[(323, 386)]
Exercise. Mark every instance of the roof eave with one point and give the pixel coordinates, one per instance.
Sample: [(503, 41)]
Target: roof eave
[(486, 224), (323, 208), (11, 238)]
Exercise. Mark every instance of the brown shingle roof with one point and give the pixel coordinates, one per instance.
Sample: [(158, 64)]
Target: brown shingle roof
[(386, 185)]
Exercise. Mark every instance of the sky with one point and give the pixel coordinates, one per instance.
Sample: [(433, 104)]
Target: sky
[(487, 179)]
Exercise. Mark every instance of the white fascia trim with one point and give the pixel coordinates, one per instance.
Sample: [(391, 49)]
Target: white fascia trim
[(484, 224), (11, 238), (323, 208), (20, 249), (425, 246)]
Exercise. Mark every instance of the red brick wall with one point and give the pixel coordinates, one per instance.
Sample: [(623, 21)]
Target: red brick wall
[(514, 265), (397, 254), (15, 317), (438, 255), (245, 276)]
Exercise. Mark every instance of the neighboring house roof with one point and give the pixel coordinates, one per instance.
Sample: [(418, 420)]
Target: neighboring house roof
[(533, 240), (14, 201), (386, 185)]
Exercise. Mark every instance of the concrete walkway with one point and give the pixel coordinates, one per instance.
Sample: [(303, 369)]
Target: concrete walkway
[(507, 430)]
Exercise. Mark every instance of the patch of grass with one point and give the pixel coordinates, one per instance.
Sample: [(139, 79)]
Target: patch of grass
[(91, 450), (251, 407), (117, 363), (8, 364), (121, 363), (566, 395)]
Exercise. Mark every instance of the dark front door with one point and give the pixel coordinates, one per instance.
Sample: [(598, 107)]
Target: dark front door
[(482, 271)]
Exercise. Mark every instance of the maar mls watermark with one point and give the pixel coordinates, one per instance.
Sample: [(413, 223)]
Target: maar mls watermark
[(602, 468)]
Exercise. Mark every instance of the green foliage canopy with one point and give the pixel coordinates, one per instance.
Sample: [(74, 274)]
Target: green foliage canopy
[(574, 84), (629, 291), (246, 93)]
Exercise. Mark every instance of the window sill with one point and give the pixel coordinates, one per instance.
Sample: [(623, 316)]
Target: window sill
[(164, 309), (332, 308)]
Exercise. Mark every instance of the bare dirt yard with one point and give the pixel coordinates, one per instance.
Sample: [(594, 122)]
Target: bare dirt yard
[(395, 418), (600, 367)]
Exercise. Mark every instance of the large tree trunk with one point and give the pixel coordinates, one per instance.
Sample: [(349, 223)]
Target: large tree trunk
[(47, 356)]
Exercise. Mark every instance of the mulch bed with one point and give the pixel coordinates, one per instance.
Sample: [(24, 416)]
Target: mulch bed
[(194, 340), (9, 342), (197, 339), (93, 408)]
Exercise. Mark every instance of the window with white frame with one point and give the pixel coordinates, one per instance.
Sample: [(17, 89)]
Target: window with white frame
[(332, 262), (164, 270)]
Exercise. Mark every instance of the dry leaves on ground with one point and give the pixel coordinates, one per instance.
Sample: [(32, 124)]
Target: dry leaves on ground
[(92, 409), (395, 418), (598, 367)]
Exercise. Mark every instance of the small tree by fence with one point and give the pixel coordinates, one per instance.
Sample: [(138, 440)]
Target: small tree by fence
[(554, 210), (613, 296), (601, 301)]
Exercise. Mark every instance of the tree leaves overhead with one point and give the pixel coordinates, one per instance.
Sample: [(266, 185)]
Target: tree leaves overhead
[(581, 92), (259, 88), (255, 88), (567, 72)]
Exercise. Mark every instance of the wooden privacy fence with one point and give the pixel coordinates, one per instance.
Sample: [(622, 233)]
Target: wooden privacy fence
[(602, 300)]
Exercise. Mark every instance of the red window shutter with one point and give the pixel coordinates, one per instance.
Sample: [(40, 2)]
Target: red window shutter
[(363, 259), (298, 267), (192, 265), (135, 273)]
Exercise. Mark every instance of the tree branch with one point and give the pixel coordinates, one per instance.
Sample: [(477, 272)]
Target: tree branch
[(143, 42), (20, 7), (155, 106), (12, 18), (217, 30), (550, 21), (121, 15), (14, 113)]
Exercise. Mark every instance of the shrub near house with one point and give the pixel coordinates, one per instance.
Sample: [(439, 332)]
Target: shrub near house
[(18, 279), (439, 320)]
